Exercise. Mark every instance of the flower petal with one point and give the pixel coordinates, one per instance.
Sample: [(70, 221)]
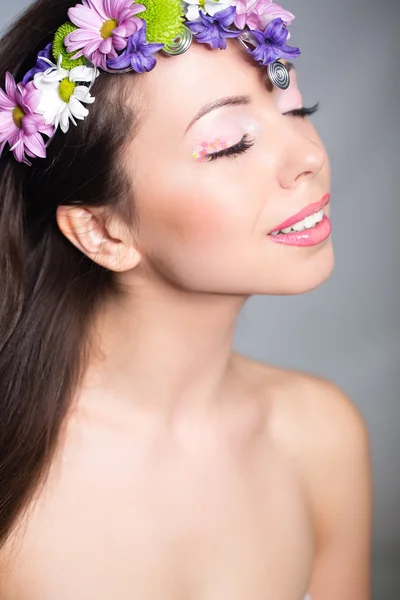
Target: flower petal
[(97, 6), (85, 18), (5, 102), (47, 80), (77, 109), (99, 60), (31, 123), (84, 74), (7, 127), (77, 54), (92, 47), (31, 97), (119, 43), (11, 87), (64, 119), (47, 130), (35, 144), (132, 26), (276, 12), (5, 117), (82, 94), (111, 8), (276, 31), (193, 13), (50, 105), (19, 150), (41, 63), (286, 51), (80, 36), (121, 62), (106, 45)]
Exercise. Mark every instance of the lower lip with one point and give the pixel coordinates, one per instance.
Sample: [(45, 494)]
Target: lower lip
[(307, 237)]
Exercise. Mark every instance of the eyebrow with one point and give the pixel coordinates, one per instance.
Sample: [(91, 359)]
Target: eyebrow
[(229, 100)]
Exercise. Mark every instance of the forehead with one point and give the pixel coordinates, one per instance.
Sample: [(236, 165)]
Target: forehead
[(179, 85)]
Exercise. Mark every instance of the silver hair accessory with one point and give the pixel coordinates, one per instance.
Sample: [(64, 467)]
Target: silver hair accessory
[(277, 72), (180, 43), (279, 75), (127, 34)]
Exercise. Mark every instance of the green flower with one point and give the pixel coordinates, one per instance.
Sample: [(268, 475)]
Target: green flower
[(59, 48), (163, 18)]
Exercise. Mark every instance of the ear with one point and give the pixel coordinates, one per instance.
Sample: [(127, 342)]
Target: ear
[(109, 245)]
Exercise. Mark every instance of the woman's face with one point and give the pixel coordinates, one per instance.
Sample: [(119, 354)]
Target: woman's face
[(204, 224)]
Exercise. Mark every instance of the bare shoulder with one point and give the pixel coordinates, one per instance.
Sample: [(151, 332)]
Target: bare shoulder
[(321, 428), (320, 412), (306, 409)]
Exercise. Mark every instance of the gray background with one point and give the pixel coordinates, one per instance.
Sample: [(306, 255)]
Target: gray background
[(347, 329)]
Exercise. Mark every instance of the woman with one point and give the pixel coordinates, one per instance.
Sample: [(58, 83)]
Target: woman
[(141, 457)]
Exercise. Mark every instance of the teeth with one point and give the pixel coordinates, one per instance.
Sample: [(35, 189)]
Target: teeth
[(299, 226), (306, 223), (319, 216), (310, 221)]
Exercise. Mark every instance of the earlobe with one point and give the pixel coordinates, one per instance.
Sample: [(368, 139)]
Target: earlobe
[(88, 232)]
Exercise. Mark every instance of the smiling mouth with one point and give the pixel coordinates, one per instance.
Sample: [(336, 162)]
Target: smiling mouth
[(307, 223), (307, 218)]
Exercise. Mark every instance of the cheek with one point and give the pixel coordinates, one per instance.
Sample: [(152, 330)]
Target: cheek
[(202, 218), (193, 222)]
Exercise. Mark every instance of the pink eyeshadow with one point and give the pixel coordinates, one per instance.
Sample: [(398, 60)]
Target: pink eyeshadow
[(202, 150)]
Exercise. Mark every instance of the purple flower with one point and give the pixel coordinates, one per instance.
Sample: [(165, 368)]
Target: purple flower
[(104, 27), (272, 43), (138, 54), (20, 126), (214, 30), (41, 65)]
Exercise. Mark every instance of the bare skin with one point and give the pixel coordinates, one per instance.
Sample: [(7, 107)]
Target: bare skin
[(188, 471), (244, 504)]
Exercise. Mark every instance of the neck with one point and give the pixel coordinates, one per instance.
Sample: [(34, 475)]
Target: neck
[(166, 352)]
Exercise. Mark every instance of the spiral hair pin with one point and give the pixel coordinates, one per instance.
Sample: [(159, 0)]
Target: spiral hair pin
[(117, 71), (247, 40), (180, 43), (77, 56), (279, 75)]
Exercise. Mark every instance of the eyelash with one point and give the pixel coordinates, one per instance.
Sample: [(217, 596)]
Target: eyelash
[(245, 144), (303, 112)]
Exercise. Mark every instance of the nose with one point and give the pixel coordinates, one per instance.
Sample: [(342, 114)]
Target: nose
[(303, 158)]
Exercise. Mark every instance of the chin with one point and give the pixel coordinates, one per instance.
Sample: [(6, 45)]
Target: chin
[(312, 274), (303, 274)]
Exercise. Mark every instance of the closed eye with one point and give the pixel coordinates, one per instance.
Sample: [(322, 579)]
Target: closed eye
[(245, 144), (303, 112), (232, 151)]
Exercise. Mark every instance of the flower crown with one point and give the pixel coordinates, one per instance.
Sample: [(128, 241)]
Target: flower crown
[(118, 36)]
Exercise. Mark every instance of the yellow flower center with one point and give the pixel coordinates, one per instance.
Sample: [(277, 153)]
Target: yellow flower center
[(107, 28), (18, 114), (66, 89)]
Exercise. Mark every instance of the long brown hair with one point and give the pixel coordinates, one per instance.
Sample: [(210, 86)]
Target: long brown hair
[(49, 290)]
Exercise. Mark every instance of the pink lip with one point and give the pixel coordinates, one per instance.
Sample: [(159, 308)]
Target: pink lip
[(308, 237), (306, 212)]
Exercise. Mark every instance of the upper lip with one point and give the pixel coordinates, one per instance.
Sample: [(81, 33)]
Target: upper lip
[(305, 212)]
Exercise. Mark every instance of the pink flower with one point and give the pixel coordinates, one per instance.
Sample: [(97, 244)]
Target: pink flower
[(20, 126), (257, 14), (104, 28)]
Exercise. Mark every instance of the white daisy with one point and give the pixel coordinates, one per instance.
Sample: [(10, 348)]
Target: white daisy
[(208, 7), (62, 98)]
